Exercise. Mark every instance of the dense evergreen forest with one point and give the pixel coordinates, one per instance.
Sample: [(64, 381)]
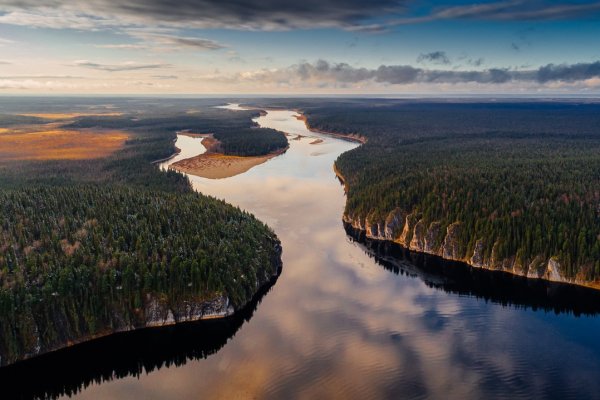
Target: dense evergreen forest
[(82, 260), (232, 128), (518, 183), (88, 247)]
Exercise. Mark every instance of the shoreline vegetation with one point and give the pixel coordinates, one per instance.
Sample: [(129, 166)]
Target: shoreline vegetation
[(214, 164), (374, 205), (163, 269), (193, 340), (95, 246), (353, 137), (359, 228)]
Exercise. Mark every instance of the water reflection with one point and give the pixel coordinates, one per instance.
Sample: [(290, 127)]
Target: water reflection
[(67, 371), (187, 147), (494, 286), (338, 325)]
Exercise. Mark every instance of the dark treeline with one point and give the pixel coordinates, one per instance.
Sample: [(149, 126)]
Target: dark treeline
[(522, 177), (89, 247), (9, 120), (234, 129)]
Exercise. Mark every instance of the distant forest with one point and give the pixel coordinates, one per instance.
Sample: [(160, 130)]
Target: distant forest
[(521, 178), (92, 246)]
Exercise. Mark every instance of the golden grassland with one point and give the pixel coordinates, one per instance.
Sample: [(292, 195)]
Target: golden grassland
[(51, 142)]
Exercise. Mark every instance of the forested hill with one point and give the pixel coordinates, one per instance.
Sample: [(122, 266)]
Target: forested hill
[(91, 247), (511, 186), (83, 261)]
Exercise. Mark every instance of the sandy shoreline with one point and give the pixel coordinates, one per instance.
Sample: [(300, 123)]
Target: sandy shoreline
[(213, 164), (219, 166), (216, 165)]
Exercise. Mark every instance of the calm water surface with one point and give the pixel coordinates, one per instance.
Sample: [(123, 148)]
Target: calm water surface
[(339, 325)]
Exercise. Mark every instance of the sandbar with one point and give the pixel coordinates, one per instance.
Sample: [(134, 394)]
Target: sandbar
[(216, 165)]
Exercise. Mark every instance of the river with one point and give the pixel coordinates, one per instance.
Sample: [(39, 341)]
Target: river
[(337, 324)]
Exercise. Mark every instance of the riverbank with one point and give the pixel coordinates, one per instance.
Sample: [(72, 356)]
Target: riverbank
[(158, 312), (353, 137), (408, 232), (219, 166), (215, 165), (337, 305)]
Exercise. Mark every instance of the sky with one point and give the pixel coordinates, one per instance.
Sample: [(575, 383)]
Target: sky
[(339, 47)]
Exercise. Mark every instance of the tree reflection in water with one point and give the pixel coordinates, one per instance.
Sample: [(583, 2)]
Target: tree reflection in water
[(68, 371), (494, 286)]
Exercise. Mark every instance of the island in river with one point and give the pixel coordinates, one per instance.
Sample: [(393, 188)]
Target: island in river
[(213, 164)]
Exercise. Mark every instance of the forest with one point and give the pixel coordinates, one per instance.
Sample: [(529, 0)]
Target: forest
[(89, 247), (521, 180), (233, 129)]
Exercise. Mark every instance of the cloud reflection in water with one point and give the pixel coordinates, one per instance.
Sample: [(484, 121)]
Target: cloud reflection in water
[(338, 325)]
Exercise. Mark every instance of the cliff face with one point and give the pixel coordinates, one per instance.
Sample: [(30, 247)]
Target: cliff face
[(412, 232), (156, 310), (159, 313)]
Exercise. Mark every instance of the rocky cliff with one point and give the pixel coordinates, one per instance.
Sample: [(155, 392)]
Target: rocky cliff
[(414, 233), (156, 310)]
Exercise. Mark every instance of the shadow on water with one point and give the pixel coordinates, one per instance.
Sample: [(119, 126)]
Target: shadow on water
[(494, 286), (68, 371)]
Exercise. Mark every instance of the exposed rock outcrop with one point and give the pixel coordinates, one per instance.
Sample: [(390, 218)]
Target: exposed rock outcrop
[(159, 313), (553, 270), (394, 224), (450, 245), (536, 268), (156, 310), (408, 230), (418, 237), (477, 257), (411, 231), (431, 237)]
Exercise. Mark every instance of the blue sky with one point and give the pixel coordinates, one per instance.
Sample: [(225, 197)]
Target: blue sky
[(338, 47)]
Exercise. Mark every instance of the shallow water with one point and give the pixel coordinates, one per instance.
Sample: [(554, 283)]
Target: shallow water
[(339, 325), (188, 147)]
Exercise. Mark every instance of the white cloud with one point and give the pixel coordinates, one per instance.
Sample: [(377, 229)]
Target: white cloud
[(122, 67), (39, 85), (168, 40), (4, 42), (121, 46)]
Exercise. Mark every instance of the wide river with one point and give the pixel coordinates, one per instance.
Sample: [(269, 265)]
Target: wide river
[(337, 324)]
